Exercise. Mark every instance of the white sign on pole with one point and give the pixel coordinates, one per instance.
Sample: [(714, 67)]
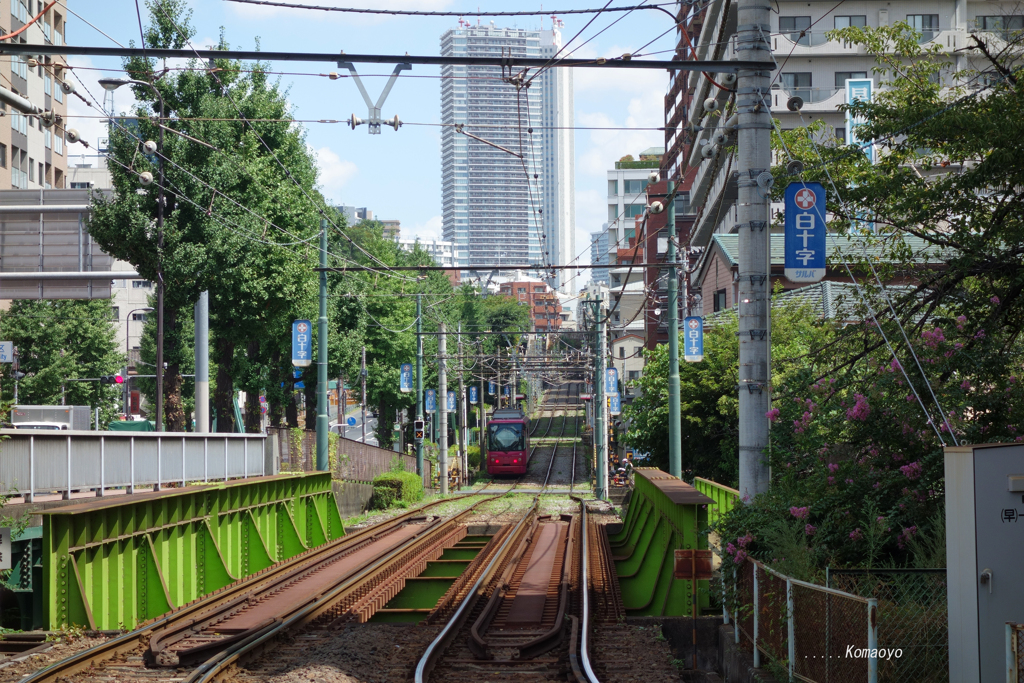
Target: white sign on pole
[(5, 548), (6, 352)]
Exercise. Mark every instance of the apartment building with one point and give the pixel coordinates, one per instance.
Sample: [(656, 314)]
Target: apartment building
[(33, 155), (544, 302), (812, 68)]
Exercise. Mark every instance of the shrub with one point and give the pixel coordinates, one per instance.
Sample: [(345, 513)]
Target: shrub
[(473, 456), (392, 488)]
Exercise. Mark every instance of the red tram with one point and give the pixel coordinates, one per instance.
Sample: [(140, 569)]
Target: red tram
[(508, 442)]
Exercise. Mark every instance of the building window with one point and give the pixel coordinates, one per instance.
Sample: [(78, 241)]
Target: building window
[(719, 301), (851, 20), (843, 76), (80, 186), (3, 156), (795, 81), (31, 170), (796, 25), (47, 139), (841, 135), (521, 290), (538, 289), (634, 210), (58, 143), (142, 284), (139, 317), (634, 375), (613, 213), (1004, 25), (116, 310), (613, 188), (637, 350), (925, 24), (622, 352), (635, 186)]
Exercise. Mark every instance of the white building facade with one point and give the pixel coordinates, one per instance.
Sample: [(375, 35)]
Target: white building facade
[(444, 253)]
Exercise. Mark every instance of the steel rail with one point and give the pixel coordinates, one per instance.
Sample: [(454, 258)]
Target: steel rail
[(217, 667), (426, 663), (588, 670), (216, 599)]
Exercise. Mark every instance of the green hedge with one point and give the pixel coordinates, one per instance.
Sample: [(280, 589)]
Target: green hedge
[(394, 487)]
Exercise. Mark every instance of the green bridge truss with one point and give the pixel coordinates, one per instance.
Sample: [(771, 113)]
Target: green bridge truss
[(114, 564), (664, 514)]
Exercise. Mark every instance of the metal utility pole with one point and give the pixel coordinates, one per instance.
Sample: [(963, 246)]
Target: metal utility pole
[(463, 452), (442, 409), (362, 374), (754, 157), (322, 420), (600, 431), (675, 441), (202, 338), (419, 378), (483, 410)]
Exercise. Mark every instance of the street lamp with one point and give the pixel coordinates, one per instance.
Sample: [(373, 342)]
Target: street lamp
[(127, 352), (112, 84)]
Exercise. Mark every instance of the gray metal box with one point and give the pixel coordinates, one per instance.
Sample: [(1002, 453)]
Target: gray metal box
[(984, 556)]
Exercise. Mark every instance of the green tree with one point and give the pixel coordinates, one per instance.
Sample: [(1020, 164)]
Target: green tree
[(65, 340)]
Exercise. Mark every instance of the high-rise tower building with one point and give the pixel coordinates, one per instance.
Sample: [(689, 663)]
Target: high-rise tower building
[(498, 208), (558, 164)]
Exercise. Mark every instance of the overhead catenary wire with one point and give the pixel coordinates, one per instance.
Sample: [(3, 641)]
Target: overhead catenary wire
[(429, 13)]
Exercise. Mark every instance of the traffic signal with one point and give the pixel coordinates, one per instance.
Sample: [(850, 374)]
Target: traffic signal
[(111, 379), (418, 430)]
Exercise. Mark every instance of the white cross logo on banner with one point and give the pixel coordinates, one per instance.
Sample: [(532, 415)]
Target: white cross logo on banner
[(302, 327), (805, 198)]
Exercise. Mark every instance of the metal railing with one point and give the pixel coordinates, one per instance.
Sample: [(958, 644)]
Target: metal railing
[(818, 634), (35, 462), (1014, 653), (354, 461), (725, 498), (913, 616)]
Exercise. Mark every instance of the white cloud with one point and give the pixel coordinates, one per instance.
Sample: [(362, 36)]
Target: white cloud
[(335, 172), (431, 230)]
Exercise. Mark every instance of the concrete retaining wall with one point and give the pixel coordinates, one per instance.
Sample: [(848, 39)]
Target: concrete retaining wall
[(353, 499)]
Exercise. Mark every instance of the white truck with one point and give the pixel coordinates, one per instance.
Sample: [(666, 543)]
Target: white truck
[(51, 417)]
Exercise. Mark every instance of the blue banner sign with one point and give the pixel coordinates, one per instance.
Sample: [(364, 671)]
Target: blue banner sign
[(805, 232), (491, 388), (450, 399), (508, 390), (693, 331), (614, 404), (302, 344), (858, 90), (611, 381), (405, 383), (430, 400), (472, 395)]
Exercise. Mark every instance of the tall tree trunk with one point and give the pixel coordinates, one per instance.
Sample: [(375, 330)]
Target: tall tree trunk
[(277, 376), (174, 412), (253, 416), (225, 385), (291, 409)]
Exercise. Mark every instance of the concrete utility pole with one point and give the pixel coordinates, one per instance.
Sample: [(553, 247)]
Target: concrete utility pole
[(323, 424), (442, 409), (419, 379), (675, 441), (202, 333), (600, 430), (362, 374), (463, 453), (754, 157)]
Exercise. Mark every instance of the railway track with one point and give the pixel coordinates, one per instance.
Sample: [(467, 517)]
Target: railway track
[(206, 639)]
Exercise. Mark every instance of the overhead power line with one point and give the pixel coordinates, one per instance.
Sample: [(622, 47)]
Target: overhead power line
[(624, 62), (423, 13)]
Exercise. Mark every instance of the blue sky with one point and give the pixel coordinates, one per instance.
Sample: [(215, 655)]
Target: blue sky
[(397, 174)]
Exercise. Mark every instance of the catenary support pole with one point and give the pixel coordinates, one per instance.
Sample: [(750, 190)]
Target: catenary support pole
[(202, 344), (675, 439), (419, 378), (442, 410), (322, 420), (754, 157), (362, 376), (600, 430), (463, 450), (483, 410)]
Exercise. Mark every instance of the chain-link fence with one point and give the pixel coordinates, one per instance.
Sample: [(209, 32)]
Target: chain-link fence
[(1015, 652), (818, 634), (912, 617)]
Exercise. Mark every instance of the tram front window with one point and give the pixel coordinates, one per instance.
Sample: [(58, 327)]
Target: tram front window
[(506, 437)]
